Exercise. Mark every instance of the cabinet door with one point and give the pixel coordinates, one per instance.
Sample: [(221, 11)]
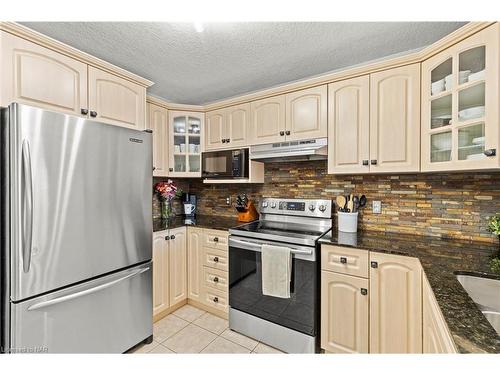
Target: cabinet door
[(436, 336), (344, 313), (395, 304), (268, 120), (40, 77), (349, 126), (460, 116), (157, 121), (395, 120), (215, 130), (237, 122), (194, 261), (116, 101), (306, 114), (161, 300), (178, 265), (185, 143)]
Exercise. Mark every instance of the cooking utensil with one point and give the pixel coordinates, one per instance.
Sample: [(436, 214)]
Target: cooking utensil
[(341, 202), (350, 203), (355, 201), (362, 201)]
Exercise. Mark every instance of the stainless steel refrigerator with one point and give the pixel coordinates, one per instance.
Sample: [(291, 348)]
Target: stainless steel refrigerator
[(76, 232)]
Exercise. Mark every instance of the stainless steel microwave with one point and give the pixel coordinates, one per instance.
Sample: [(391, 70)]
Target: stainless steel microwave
[(225, 164)]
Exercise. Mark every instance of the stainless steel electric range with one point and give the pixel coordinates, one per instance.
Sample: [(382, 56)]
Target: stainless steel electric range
[(290, 324)]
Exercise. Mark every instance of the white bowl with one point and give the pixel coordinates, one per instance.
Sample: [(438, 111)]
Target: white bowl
[(463, 76), (437, 87), (441, 143), (472, 112), (448, 82), (475, 156), (477, 76), (478, 141)]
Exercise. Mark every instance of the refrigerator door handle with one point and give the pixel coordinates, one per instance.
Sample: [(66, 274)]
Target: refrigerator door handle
[(85, 292), (27, 205)]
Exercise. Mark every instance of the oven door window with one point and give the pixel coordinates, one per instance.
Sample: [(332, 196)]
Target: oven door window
[(217, 164), (245, 292)]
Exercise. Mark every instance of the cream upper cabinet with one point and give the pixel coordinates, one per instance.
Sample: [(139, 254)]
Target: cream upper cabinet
[(115, 100), (395, 304), (37, 76), (349, 126), (436, 337), (194, 260), (157, 122), (237, 123), (215, 130), (178, 265), (161, 272), (395, 120), (460, 114), (306, 114), (185, 143), (344, 313), (267, 120)]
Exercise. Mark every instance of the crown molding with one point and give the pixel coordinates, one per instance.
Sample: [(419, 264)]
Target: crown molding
[(47, 42), (174, 106)]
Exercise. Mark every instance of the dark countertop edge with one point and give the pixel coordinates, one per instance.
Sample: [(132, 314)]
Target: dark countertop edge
[(200, 221), (435, 275)]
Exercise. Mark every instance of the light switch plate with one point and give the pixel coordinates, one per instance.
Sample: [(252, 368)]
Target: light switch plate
[(228, 201), (377, 207)]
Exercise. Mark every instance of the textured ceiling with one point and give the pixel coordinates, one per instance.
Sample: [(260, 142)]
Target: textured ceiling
[(229, 59)]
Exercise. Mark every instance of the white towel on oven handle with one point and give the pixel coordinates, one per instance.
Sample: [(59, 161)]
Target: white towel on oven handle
[(276, 270)]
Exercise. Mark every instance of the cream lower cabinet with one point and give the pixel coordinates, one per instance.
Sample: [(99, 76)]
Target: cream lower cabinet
[(161, 271), (437, 338), (195, 259), (178, 265), (344, 312), (37, 76), (157, 122), (395, 304)]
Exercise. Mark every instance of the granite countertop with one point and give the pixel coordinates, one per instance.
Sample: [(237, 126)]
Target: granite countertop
[(441, 259), (200, 221)]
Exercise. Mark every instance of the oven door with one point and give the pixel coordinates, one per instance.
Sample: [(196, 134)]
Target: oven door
[(300, 312), (225, 164)]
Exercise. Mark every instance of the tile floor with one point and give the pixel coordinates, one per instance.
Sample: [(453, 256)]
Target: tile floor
[(191, 330)]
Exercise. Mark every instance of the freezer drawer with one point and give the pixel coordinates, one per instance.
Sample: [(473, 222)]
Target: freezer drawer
[(107, 315)]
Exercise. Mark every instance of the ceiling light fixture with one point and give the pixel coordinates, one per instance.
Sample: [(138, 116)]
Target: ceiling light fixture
[(198, 26)]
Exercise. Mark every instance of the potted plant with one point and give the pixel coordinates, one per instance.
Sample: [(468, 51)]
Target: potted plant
[(167, 191), (494, 227)]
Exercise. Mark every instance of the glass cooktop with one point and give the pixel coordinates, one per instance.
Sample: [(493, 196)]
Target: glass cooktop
[(275, 228)]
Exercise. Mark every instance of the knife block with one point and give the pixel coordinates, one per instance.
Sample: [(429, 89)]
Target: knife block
[(249, 214)]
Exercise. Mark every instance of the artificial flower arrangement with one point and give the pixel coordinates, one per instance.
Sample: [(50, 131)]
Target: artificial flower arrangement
[(167, 191)]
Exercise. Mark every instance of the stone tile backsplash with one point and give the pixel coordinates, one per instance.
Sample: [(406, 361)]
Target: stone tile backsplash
[(455, 205)]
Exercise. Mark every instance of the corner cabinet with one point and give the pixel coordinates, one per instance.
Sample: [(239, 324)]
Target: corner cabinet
[(161, 295), (185, 143), (227, 128), (460, 114), (395, 120), (157, 122)]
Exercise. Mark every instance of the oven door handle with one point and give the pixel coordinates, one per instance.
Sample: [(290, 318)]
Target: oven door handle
[(258, 247)]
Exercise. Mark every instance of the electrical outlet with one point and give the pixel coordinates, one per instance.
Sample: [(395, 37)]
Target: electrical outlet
[(377, 207), (228, 201)]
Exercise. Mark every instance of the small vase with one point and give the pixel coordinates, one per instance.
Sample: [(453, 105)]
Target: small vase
[(166, 209)]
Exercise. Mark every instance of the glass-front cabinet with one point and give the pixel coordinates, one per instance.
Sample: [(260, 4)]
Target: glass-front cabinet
[(185, 144), (460, 100)]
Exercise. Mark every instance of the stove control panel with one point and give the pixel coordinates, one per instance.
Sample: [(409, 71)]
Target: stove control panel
[(297, 207)]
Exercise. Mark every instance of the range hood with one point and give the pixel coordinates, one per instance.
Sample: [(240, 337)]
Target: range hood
[(311, 149)]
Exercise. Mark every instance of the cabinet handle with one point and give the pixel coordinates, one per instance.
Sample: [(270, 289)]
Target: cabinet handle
[(216, 239), (216, 299), (364, 291), (93, 114), (167, 238), (228, 140), (154, 168), (216, 279), (223, 141), (216, 259), (282, 133), (170, 169), (84, 111), (287, 132), (490, 152), (374, 264), (374, 162), (366, 162), (172, 237), (343, 260)]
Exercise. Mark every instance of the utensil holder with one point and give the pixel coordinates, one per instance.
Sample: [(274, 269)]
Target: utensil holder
[(347, 222)]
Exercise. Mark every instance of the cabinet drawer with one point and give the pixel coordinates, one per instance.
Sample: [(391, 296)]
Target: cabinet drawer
[(215, 279), (216, 239), (215, 258), (215, 298), (344, 260)]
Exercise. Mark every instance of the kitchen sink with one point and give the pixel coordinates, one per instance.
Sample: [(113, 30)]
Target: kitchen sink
[(485, 292)]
